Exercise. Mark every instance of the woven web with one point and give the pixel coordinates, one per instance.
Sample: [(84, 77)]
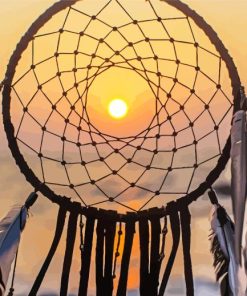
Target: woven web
[(176, 134)]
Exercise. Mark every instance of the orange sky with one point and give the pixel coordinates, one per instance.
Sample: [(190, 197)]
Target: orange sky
[(228, 18)]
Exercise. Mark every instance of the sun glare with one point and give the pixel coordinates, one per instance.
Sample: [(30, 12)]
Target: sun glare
[(117, 108)]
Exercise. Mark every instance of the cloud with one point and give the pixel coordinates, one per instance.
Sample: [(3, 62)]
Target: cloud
[(205, 287), (133, 293), (175, 286)]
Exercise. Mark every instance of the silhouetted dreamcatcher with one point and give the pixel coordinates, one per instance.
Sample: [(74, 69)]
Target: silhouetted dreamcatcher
[(145, 169)]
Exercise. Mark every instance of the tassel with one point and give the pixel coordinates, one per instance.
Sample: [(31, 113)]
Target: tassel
[(175, 230), (86, 255), (106, 228), (99, 257), (128, 242), (222, 248), (155, 262), (110, 231), (57, 236), (185, 218), (144, 251), (70, 241)]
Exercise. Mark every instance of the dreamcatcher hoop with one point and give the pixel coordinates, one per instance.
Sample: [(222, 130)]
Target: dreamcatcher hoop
[(27, 171)]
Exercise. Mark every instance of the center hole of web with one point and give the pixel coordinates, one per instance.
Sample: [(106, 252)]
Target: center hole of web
[(127, 86)]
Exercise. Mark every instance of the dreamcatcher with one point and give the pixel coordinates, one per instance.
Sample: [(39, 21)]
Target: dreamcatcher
[(181, 88)]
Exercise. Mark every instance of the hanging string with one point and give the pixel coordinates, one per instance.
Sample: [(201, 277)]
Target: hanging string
[(99, 257), (175, 229), (81, 235), (57, 236), (186, 239), (86, 254), (106, 229), (144, 250), (155, 263), (11, 289), (109, 247), (213, 197), (243, 99), (117, 254), (164, 233), (71, 234), (128, 243)]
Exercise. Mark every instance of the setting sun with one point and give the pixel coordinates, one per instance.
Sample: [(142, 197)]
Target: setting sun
[(117, 108)]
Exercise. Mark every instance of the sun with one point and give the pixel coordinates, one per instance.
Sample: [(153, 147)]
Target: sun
[(117, 108)]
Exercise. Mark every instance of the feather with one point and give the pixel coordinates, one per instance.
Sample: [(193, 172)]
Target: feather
[(245, 261), (245, 256), (245, 253), (238, 169), (10, 229), (10, 232), (222, 248)]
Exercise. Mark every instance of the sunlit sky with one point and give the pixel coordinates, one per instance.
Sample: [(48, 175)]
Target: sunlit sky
[(228, 18)]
